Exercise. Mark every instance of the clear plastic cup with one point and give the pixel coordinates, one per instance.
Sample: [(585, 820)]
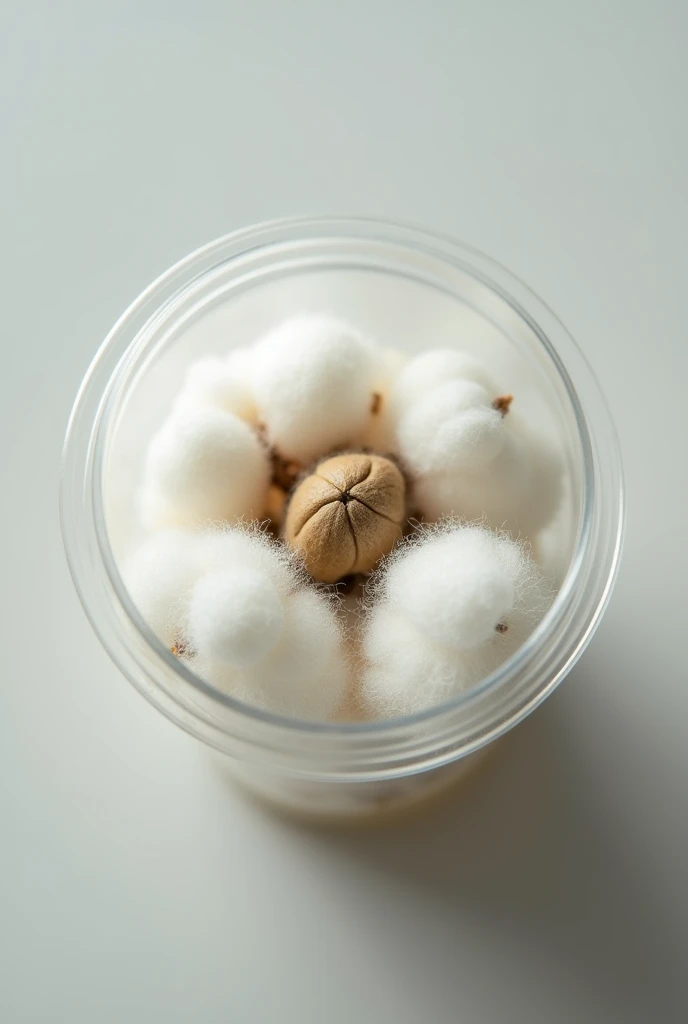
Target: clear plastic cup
[(411, 290)]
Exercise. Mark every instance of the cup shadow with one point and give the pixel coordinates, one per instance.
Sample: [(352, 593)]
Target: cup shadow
[(532, 847)]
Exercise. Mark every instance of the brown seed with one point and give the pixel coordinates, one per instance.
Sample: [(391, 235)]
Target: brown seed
[(346, 515), (181, 648), (502, 403)]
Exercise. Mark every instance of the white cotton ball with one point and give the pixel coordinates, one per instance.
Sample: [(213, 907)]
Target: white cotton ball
[(519, 490), (449, 607), (453, 590), (249, 548), (160, 575), (452, 427), (532, 597), (405, 672), (425, 372), (164, 576), (380, 433), (220, 384), (203, 464), (235, 616), (314, 381), (305, 675)]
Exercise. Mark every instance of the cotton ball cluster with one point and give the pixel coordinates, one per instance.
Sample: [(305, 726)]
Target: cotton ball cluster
[(235, 616), (203, 464), (247, 547), (220, 383), (467, 452), (422, 374), (314, 384), (519, 489), (233, 604), (163, 571), (449, 607), (404, 671), (236, 610), (453, 427), (453, 590), (304, 675), (380, 433), (160, 575)]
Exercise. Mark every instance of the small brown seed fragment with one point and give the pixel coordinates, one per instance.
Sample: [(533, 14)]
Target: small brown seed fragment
[(181, 648), (502, 403)]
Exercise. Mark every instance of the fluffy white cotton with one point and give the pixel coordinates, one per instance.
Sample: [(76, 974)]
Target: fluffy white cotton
[(448, 608), (314, 382), (220, 384), (236, 616), (425, 372), (452, 427), (380, 433), (233, 601), (160, 575), (251, 549), (203, 464), (405, 671), (518, 490), (304, 675), (454, 590)]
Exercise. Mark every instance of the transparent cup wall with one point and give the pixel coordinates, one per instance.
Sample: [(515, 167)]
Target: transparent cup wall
[(406, 300)]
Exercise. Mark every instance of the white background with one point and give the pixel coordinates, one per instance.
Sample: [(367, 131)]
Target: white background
[(134, 885)]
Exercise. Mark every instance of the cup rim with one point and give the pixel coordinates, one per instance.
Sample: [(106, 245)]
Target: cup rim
[(180, 277)]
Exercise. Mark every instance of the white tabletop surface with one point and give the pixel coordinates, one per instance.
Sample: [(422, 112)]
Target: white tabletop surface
[(134, 885)]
